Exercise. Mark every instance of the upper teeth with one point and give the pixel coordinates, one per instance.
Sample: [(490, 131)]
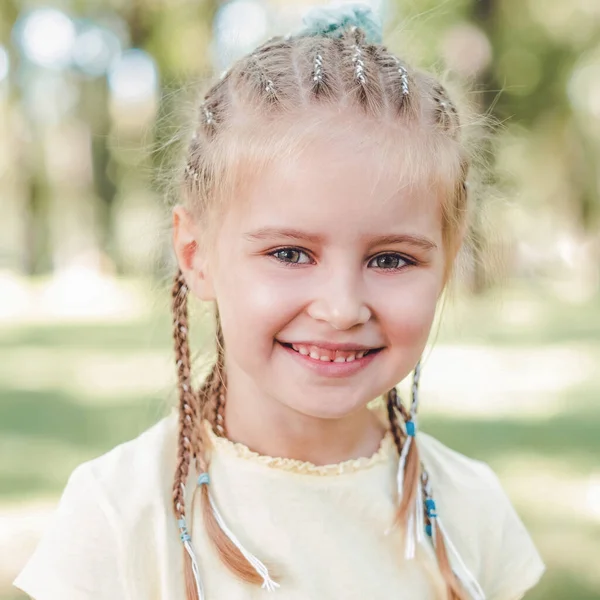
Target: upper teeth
[(328, 355)]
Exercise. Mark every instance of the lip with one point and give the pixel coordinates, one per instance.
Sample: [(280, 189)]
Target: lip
[(330, 368)]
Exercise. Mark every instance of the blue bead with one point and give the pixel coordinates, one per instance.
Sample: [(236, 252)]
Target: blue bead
[(430, 503), (181, 523), (428, 530), (203, 478), (185, 537), (411, 428)]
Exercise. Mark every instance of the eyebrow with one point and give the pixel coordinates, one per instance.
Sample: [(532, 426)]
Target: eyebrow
[(265, 233)]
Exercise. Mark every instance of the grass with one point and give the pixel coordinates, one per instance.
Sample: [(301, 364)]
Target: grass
[(70, 392)]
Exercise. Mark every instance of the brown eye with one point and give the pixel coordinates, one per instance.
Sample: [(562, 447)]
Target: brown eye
[(290, 256), (390, 261)]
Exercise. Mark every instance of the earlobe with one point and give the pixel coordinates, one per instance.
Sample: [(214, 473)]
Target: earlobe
[(193, 265)]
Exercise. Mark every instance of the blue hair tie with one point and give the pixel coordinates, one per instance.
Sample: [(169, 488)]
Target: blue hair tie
[(430, 505), (203, 478), (184, 535), (331, 21), (411, 428)]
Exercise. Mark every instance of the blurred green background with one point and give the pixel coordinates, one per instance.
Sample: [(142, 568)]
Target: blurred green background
[(95, 100)]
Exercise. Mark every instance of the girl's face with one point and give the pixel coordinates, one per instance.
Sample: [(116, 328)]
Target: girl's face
[(325, 251)]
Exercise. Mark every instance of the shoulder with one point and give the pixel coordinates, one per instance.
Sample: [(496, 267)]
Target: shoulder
[(138, 472), (481, 521), (454, 471), (103, 540)]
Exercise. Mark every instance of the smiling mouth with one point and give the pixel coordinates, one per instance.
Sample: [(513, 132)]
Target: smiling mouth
[(338, 357)]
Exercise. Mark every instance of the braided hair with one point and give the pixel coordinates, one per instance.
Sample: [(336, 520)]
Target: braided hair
[(283, 76)]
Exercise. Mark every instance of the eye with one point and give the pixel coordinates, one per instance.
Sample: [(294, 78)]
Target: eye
[(290, 256), (391, 261)]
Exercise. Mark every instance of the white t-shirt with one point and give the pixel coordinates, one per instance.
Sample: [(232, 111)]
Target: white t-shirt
[(114, 535)]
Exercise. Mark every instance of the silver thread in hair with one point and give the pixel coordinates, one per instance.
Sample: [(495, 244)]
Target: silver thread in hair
[(318, 69), (403, 78), (442, 100), (191, 172), (208, 116), (359, 65)]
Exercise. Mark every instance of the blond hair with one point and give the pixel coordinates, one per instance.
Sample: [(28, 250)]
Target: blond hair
[(269, 104)]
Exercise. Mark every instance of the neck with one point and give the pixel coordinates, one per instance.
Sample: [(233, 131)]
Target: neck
[(272, 429)]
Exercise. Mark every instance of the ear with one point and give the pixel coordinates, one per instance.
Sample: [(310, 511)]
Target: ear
[(193, 265)]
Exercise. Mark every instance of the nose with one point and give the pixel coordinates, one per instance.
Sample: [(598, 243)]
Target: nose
[(340, 303)]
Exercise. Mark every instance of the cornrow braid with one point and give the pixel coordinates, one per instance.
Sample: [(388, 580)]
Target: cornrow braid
[(396, 78), (197, 176), (365, 87), (357, 56), (258, 75), (445, 113), (318, 71), (212, 109), (317, 57)]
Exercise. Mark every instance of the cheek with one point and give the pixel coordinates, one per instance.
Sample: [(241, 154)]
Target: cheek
[(254, 306), (410, 312)]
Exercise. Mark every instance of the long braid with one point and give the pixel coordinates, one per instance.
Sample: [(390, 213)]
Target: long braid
[(221, 387), (413, 472), (191, 445), (188, 425), (412, 462), (188, 404), (392, 404)]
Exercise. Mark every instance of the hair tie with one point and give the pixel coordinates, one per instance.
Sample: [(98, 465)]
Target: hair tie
[(331, 21), (183, 530), (203, 478)]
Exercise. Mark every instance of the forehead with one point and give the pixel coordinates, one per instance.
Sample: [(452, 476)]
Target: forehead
[(350, 183)]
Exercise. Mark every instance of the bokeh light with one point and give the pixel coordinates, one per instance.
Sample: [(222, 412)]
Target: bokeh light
[(46, 37), (95, 48), (238, 27), (4, 63), (584, 85), (133, 77)]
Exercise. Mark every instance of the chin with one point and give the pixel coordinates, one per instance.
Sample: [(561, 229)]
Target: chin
[(327, 408)]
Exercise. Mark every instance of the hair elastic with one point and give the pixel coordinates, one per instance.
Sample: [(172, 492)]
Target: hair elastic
[(184, 534), (259, 567), (330, 21), (186, 538)]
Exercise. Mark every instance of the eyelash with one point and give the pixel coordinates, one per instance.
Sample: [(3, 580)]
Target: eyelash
[(409, 262)]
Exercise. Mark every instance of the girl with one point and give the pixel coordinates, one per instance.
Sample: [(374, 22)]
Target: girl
[(325, 202)]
